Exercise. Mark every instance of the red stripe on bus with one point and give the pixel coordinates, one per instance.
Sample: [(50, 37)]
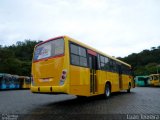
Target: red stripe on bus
[(48, 58), (92, 52)]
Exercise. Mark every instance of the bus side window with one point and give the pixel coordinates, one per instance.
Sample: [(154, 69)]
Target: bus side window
[(126, 70), (78, 55), (102, 62), (83, 57), (111, 65), (106, 63), (98, 62), (123, 69), (114, 66)]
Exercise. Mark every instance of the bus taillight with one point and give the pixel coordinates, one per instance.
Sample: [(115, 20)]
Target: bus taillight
[(64, 72), (63, 77)]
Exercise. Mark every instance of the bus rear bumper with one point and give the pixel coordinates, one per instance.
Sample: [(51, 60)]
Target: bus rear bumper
[(48, 89)]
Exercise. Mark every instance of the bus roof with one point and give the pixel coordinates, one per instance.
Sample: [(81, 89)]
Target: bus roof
[(144, 76), (49, 40), (153, 74), (5, 74), (84, 45), (113, 58), (23, 76)]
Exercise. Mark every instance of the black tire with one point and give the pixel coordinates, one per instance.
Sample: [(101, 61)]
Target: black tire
[(129, 88), (107, 92)]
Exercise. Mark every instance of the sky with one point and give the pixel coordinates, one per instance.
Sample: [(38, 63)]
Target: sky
[(115, 27)]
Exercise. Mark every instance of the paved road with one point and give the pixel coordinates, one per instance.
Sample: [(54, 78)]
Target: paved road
[(142, 100)]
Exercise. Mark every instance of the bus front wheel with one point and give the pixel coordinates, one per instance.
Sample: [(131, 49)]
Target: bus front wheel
[(107, 92)]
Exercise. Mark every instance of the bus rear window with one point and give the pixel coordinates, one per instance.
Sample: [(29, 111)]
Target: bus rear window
[(49, 49)]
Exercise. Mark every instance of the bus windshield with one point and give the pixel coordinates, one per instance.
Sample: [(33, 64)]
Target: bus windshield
[(49, 49)]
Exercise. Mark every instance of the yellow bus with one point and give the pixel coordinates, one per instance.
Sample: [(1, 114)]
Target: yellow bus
[(25, 82), (65, 65), (154, 79)]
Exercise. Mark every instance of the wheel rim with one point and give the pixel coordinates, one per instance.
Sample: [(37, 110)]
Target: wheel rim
[(107, 92)]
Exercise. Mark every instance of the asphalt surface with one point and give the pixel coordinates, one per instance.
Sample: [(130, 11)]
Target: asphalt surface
[(22, 104)]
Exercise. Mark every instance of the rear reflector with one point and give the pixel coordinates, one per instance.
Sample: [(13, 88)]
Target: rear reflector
[(63, 77)]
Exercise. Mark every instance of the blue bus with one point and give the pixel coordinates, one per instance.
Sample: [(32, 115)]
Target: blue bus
[(5, 80), (142, 81), (2, 81), (16, 82), (11, 82), (8, 81)]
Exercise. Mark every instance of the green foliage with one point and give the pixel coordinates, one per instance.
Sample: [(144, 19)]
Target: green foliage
[(16, 59), (146, 62)]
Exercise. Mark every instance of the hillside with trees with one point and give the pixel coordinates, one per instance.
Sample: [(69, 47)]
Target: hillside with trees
[(16, 59), (146, 62)]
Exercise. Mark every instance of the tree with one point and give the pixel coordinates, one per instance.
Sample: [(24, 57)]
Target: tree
[(144, 62), (16, 59)]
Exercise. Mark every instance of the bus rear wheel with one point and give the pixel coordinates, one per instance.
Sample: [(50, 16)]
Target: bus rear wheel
[(107, 92)]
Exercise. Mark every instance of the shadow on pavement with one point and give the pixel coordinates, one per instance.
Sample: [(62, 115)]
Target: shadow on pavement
[(83, 108)]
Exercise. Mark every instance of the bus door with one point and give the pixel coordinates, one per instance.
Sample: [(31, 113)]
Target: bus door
[(120, 76), (93, 67)]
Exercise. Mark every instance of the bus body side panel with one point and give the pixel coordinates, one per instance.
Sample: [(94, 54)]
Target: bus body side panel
[(151, 82), (140, 83), (125, 81), (101, 78), (3, 84), (115, 81), (79, 80), (154, 80), (156, 83)]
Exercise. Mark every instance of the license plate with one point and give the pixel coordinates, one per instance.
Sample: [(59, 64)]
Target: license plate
[(44, 80)]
